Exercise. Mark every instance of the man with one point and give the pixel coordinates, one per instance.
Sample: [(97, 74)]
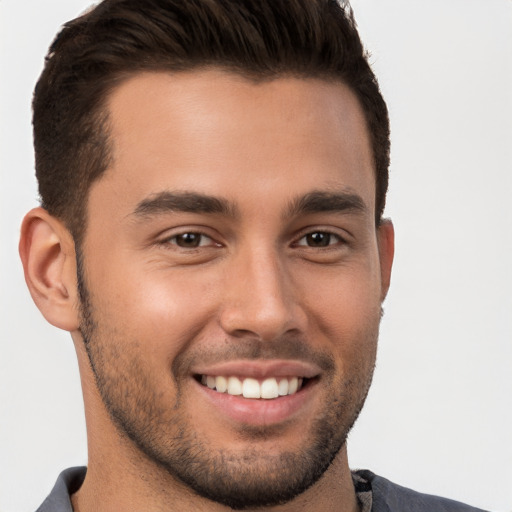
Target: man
[(213, 179)]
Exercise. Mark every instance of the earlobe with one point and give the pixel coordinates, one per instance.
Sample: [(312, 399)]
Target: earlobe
[(48, 255), (386, 241)]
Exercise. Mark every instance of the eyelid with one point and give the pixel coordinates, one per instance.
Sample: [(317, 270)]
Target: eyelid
[(171, 238), (341, 239)]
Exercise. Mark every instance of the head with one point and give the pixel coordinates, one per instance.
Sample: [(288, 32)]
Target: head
[(262, 41), (213, 176)]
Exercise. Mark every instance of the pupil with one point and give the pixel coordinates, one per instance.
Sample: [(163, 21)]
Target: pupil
[(319, 239), (188, 240)]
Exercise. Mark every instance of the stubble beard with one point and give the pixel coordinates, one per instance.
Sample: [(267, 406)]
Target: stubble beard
[(165, 435)]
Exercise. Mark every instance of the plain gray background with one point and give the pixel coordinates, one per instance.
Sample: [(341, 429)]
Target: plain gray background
[(439, 416)]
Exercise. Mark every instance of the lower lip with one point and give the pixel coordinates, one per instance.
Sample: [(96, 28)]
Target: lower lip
[(259, 412)]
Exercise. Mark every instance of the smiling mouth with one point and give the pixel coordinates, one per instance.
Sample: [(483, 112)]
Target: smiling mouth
[(266, 389)]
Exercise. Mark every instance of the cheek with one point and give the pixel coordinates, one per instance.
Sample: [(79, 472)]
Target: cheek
[(159, 310), (343, 297), (344, 311)]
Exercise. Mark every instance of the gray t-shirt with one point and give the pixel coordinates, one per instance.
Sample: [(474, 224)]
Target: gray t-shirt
[(375, 494)]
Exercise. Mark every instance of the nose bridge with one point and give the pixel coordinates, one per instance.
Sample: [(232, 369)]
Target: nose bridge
[(260, 299)]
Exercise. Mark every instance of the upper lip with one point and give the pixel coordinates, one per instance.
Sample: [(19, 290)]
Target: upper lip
[(260, 369)]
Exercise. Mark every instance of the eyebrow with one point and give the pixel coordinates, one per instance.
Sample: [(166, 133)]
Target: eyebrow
[(193, 202), (189, 202), (323, 201)]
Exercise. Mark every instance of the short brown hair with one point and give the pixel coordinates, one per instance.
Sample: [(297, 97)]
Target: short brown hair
[(261, 39)]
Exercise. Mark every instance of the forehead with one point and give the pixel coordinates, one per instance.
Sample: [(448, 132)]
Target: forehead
[(219, 133)]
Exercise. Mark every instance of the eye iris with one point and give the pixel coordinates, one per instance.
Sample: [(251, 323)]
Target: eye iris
[(188, 240), (318, 239)]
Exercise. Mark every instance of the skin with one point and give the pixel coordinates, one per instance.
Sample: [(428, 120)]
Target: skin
[(256, 290)]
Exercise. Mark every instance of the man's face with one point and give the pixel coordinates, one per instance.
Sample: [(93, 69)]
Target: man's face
[(232, 245)]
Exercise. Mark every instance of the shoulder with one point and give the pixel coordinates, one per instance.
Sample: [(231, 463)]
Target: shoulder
[(68, 482), (390, 497)]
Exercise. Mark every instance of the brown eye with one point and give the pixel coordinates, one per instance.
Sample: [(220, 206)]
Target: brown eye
[(189, 240), (319, 239)]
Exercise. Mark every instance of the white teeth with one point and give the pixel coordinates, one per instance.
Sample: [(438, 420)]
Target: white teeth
[(221, 384), (283, 387), (293, 384), (269, 388), (210, 382), (251, 388), (234, 386)]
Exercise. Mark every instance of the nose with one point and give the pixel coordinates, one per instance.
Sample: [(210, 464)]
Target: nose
[(260, 298)]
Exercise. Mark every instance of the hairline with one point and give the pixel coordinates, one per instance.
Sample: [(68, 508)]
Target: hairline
[(102, 115)]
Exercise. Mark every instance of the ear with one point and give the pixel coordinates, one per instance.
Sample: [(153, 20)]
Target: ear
[(47, 252), (386, 242)]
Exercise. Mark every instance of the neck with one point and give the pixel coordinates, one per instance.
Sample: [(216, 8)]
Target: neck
[(110, 486)]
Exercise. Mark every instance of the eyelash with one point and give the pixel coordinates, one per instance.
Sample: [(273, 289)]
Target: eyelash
[(329, 234), (173, 240)]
